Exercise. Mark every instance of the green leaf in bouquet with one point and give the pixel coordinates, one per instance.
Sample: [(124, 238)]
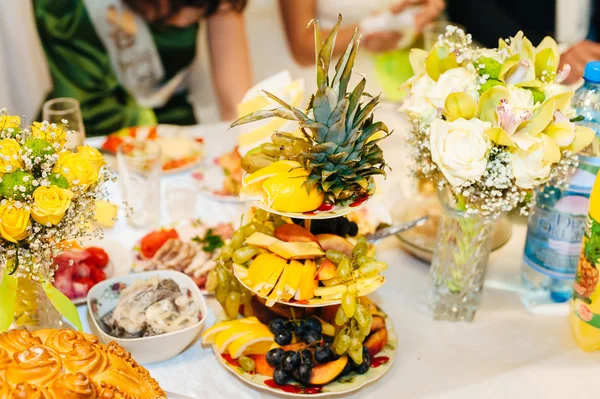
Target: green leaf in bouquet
[(459, 105), (489, 84), (439, 60), (488, 66), (8, 296), (538, 95)]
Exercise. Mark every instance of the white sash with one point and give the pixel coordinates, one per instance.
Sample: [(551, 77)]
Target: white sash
[(132, 52)]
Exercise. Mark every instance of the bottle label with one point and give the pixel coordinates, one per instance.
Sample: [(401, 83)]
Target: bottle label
[(585, 287), (555, 233)]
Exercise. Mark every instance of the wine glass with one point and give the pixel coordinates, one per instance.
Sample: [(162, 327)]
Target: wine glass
[(66, 112)]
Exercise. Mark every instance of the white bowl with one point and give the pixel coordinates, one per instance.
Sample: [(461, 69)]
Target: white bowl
[(103, 297)]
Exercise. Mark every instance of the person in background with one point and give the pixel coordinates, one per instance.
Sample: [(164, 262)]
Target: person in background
[(128, 61), (488, 20), (297, 13)]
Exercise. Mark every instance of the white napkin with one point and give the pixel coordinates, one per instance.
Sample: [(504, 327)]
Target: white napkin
[(282, 86)]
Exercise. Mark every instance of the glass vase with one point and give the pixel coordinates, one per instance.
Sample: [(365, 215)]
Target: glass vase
[(460, 260), (33, 309)]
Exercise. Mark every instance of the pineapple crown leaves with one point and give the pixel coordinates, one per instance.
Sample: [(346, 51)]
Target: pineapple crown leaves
[(344, 155)]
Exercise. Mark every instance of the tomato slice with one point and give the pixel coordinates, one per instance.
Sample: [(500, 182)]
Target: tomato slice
[(112, 143), (152, 242), (98, 257)]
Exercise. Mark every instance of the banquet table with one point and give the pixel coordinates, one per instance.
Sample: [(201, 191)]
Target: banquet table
[(505, 352)]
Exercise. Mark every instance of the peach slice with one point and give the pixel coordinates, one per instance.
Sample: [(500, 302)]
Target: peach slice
[(261, 365), (376, 342), (331, 241), (327, 328), (293, 233), (327, 270), (378, 323), (327, 372), (328, 313)]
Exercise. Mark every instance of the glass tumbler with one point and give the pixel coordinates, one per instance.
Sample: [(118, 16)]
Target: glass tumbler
[(139, 167)]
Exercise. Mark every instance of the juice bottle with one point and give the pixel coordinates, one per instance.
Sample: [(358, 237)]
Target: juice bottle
[(585, 305)]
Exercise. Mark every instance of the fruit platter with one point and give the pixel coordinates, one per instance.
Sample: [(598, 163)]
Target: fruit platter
[(178, 153), (283, 262), (299, 356), (189, 247), (327, 167)]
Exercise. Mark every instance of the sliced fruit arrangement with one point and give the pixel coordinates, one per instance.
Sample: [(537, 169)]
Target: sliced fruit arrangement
[(297, 352), (287, 263), (239, 337), (337, 155)]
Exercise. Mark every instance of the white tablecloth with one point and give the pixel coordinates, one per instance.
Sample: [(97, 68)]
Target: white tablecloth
[(505, 352)]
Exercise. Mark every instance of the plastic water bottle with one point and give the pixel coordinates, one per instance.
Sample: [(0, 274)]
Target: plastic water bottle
[(555, 230)]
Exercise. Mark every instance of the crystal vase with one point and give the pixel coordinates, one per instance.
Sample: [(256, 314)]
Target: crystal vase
[(33, 309), (460, 261)]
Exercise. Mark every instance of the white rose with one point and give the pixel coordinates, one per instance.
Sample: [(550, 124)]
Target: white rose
[(459, 149), (529, 167), (521, 98), (418, 103), (452, 81)]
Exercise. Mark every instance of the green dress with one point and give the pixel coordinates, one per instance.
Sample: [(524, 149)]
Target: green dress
[(81, 68)]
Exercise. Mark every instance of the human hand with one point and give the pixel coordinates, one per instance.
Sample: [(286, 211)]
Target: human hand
[(577, 56), (431, 9), (381, 41)]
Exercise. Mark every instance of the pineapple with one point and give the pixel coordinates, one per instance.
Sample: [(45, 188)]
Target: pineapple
[(338, 147), (587, 276)]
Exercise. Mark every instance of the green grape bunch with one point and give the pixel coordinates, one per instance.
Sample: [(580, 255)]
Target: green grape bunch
[(221, 281), (353, 318)]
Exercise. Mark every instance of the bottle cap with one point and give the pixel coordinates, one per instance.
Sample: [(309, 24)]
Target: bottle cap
[(592, 72)]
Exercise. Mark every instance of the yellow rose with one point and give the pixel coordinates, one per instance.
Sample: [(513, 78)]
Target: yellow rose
[(13, 222), (50, 204), (92, 155), (45, 131), (7, 121), (78, 170), (10, 160)]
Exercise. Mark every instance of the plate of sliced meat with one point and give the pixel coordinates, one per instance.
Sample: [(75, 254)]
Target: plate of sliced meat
[(188, 247)]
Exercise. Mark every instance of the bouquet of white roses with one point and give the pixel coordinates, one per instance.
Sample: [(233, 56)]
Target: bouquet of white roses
[(47, 198), (491, 124)]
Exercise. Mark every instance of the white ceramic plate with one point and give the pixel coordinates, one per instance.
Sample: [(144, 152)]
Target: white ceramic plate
[(342, 386), (104, 296), (335, 212), (210, 178), (120, 260), (164, 131)]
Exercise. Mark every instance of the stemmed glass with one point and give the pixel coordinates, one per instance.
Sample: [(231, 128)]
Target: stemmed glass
[(66, 112)]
